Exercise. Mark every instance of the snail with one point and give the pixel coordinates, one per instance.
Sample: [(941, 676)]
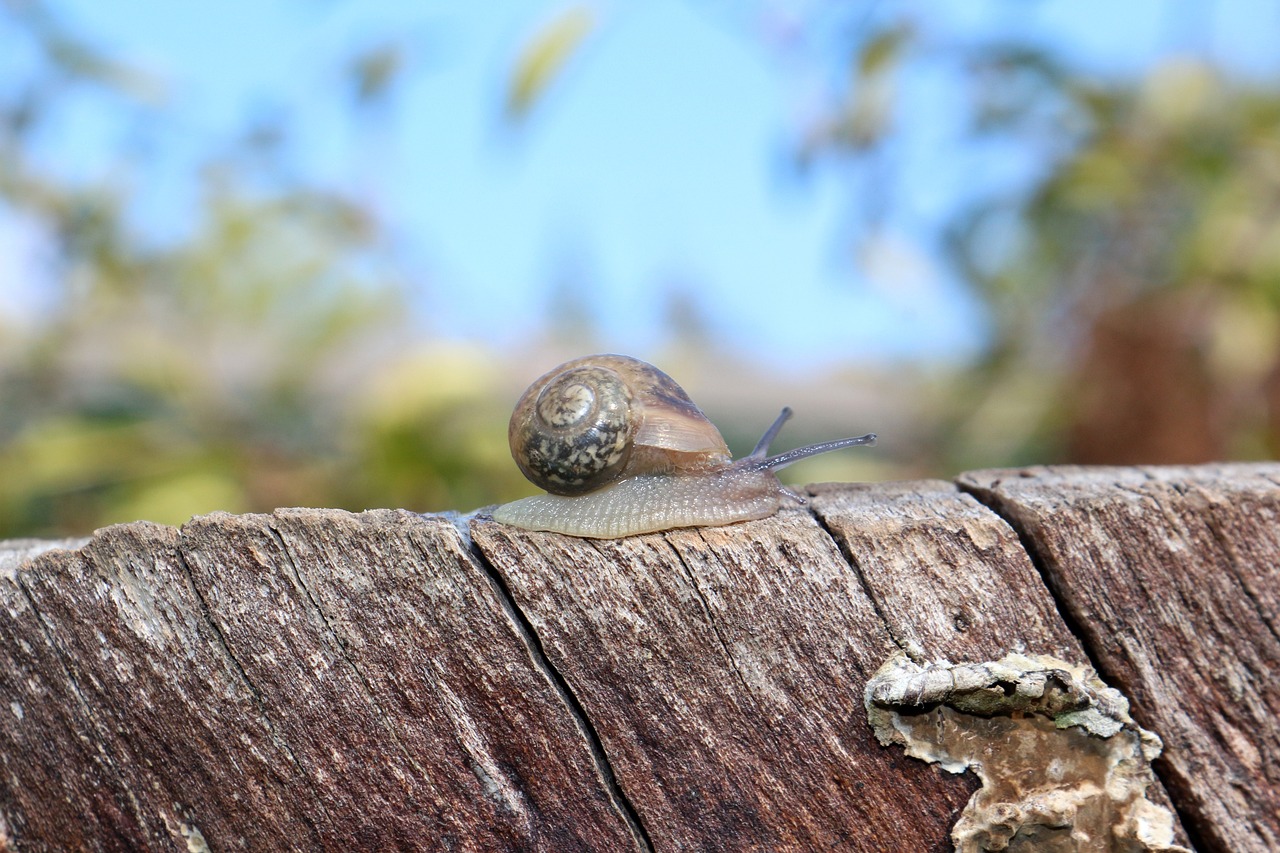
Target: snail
[(622, 450)]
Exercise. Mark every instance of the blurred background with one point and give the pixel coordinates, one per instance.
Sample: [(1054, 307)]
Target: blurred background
[(310, 252)]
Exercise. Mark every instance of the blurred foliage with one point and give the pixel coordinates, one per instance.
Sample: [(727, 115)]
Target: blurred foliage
[(544, 56), (1133, 287), (267, 356), (261, 360), (1141, 278)]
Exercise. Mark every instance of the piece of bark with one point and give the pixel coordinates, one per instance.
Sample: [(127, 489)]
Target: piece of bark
[(723, 669), (307, 680), (1172, 576)]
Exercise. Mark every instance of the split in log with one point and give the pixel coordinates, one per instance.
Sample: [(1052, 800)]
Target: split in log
[(316, 679)]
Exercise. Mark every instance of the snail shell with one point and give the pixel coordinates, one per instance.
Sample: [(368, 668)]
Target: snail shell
[(622, 450)]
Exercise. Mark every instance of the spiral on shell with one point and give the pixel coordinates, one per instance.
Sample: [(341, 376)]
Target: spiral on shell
[(574, 432)]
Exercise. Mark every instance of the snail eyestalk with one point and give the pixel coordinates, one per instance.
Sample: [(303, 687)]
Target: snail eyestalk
[(782, 460), (759, 459), (761, 450)]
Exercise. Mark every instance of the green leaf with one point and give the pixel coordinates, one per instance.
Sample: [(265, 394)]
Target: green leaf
[(544, 57)]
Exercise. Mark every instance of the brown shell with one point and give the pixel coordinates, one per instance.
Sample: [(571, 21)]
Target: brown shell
[(598, 418)]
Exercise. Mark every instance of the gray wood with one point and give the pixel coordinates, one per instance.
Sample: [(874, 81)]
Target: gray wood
[(948, 575), (724, 669), (1172, 576), (308, 680), (314, 679)]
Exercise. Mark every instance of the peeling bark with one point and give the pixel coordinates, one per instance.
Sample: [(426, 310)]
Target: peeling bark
[(1063, 765)]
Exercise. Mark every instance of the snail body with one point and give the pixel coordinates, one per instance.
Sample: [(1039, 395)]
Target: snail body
[(622, 450)]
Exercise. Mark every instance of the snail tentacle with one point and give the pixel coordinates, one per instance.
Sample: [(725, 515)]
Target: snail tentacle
[(761, 450), (782, 460)]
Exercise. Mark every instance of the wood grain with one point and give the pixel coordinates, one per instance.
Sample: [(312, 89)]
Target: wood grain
[(308, 680), (948, 575), (314, 679), (724, 669), (1172, 575)]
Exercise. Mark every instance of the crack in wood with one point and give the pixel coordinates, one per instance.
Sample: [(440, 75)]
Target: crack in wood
[(537, 654), (1027, 541), (842, 548)]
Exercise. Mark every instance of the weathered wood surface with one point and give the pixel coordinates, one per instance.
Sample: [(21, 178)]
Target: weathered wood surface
[(724, 674), (307, 680), (1173, 579), (314, 679)]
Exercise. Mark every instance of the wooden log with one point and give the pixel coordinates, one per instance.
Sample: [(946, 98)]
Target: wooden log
[(314, 679)]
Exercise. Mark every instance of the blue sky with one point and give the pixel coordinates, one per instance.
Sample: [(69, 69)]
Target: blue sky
[(662, 155)]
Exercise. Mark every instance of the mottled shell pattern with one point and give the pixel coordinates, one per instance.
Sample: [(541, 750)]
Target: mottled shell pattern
[(603, 417), (622, 450)]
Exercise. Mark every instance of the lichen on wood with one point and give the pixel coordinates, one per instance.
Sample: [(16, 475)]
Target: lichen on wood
[(1063, 765)]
